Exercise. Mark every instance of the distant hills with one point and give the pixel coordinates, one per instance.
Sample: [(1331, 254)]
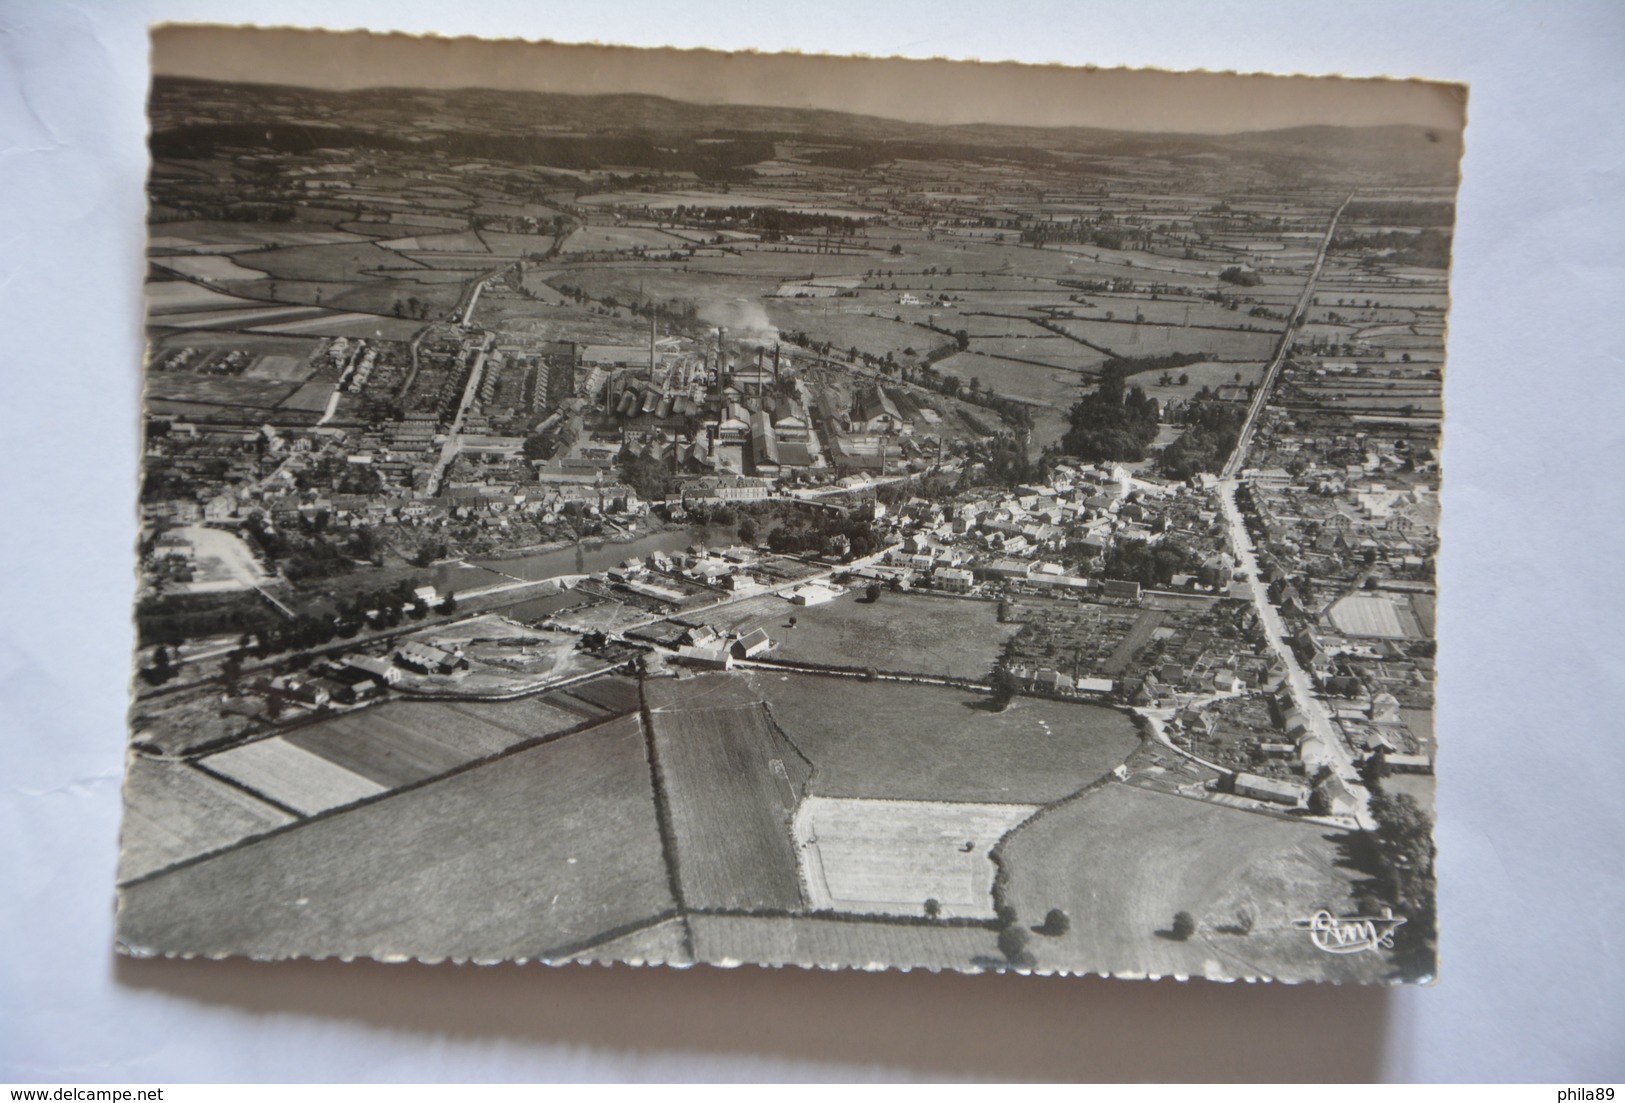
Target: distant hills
[(401, 117)]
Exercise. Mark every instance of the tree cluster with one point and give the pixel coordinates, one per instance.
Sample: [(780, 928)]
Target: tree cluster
[(308, 551), (1112, 423), (1147, 563), (818, 534), (1402, 849), (1214, 428)]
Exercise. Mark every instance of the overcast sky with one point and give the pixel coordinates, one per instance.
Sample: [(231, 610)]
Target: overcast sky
[(919, 91)]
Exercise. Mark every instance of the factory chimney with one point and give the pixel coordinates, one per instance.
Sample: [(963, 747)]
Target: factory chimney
[(651, 344)]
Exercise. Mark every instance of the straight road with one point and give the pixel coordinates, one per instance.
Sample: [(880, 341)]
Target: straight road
[(1322, 745), (448, 450), (1261, 397)]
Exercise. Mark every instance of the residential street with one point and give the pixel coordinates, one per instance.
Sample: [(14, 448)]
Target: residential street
[(1321, 746)]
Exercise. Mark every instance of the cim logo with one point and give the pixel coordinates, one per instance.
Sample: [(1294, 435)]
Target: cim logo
[(1350, 934)]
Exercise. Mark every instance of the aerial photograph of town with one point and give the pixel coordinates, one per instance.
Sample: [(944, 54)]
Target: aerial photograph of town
[(609, 527)]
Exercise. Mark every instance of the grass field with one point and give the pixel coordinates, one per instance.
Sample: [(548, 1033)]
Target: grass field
[(891, 856), (911, 742), (1059, 387), (536, 854), (291, 775), (662, 943), (615, 693), (405, 741), (216, 390), (1205, 374), (1121, 861), (325, 262), (731, 783), (173, 812), (1127, 339), (212, 268), (188, 235), (178, 296), (900, 632), (812, 940)]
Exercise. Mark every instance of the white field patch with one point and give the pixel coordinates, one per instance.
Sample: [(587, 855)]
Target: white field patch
[(1368, 615), (291, 776), (888, 857), (208, 268), (221, 561), (175, 296)]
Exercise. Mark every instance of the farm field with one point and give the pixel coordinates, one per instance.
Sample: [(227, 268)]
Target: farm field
[(346, 261), (401, 742), (662, 943), (1121, 861), (1056, 387), (1204, 374), (889, 740), (291, 776), (891, 856), (598, 239), (173, 812), (200, 236), (216, 390), (533, 855), (212, 268), (1127, 339), (829, 942), (943, 637), (615, 693), (182, 296), (731, 783)]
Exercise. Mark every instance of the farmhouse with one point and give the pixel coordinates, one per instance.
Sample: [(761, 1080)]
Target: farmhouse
[(1290, 793), (812, 593), (708, 658), (751, 644), (1129, 591), (424, 658)]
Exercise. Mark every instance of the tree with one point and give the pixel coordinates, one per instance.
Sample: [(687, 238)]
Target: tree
[(747, 531), (871, 593), (1005, 687), (1403, 848), (1184, 926), (448, 605), (1056, 923), (933, 908), (1013, 944)]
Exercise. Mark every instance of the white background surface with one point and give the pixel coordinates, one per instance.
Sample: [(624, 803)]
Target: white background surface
[(1531, 716)]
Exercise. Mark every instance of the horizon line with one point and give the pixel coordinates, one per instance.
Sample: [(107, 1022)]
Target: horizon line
[(931, 92)]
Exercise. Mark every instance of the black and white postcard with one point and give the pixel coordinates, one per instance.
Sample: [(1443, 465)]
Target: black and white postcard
[(613, 505)]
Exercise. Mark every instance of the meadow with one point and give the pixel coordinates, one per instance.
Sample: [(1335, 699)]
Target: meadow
[(535, 854)]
